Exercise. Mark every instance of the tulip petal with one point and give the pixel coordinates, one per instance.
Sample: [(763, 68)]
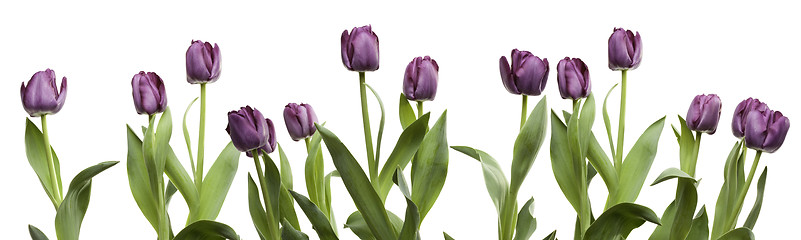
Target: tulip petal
[(345, 45), (506, 76)]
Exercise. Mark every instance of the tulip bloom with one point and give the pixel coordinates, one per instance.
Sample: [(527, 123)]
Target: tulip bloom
[(299, 120), (420, 79), (148, 93), (41, 97), (573, 78), (271, 140), (202, 62), (704, 113), (360, 49), (248, 129), (738, 122), (765, 131), (625, 50), (527, 74)]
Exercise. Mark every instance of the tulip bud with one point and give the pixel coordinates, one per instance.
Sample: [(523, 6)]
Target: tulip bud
[(148, 93), (360, 49), (299, 120), (202, 62), (41, 97), (573, 78), (625, 50), (420, 79), (248, 129), (271, 140), (527, 74), (765, 131), (704, 113), (741, 113)]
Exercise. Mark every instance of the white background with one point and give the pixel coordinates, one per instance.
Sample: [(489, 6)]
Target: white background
[(289, 51)]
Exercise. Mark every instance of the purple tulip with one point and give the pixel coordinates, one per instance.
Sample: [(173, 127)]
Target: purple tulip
[(527, 74), (202, 62), (360, 49), (765, 131), (299, 120), (41, 97), (625, 50), (420, 79), (738, 122), (704, 113), (248, 129), (148, 93), (271, 140), (573, 78)]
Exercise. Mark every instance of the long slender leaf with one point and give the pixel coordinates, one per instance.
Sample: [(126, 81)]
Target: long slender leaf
[(637, 163), (138, 180), (607, 123), (526, 223), (186, 135), (754, 214), (72, 210), (618, 221), (358, 226), (207, 230), (405, 148), (290, 233), (565, 169), (405, 112), (672, 173), (216, 184), (494, 179), (380, 123), (738, 234), (430, 168), (528, 144), (727, 194), (410, 229), (286, 203), (686, 200), (37, 158), (314, 171), (261, 221), (36, 234), (316, 217), (700, 228), (183, 182), (662, 232)]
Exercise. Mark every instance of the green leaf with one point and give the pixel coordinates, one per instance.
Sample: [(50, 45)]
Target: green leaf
[(380, 124), (619, 220), (286, 203), (687, 151), (327, 188), (551, 236), (565, 168), (364, 196), (290, 233), (728, 192), (169, 193), (163, 135), (686, 200), (138, 180), (494, 179), (36, 234), (405, 148), (528, 144), (411, 223), (314, 170), (662, 232), (405, 112), (183, 182), (37, 158), (216, 184), (430, 168), (447, 237), (286, 169), (186, 134), (738, 234), (273, 189), (637, 163), (316, 217), (601, 163), (526, 223), (700, 228), (72, 210), (264, 224), (207, 230), (586, 120), (672, 173), (752, 217), (358, 226), (607, 123)]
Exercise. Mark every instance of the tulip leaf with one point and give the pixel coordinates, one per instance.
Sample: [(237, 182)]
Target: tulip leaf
[(637, 163), (365, 198), (405, 148), (688, 152), (672, 173), (686, 200), (754, 214), (207, 230), (37, 158), (380, 124), (72, 210), (314, 170), (738, 234), (565, 167), (405, 112), (327, 190), (700, 227), (528, 144), (169, 192), (663, 231), (286, 203), (183, 182), (216, 184), (551, 236), (447, 237), (607, 123), (264, 224), (285, 169), (186, 135), (138, 180), (526, 223), (619, 220), (728, 192), (288, 232), (494, 179), (430, 168), (358, 226), (162, 141), (601, 163), (36, 234), (316, 217), (411, 223)]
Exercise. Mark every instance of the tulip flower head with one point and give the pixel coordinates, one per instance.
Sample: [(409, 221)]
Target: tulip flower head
[(573, 78), (625, 50), (741, 113), (360, 49), (41, 97), (704, 113), (420, 79), (202, 62), (148, 93), (248, 129), (299, 120), (765, 131), (526, 75)]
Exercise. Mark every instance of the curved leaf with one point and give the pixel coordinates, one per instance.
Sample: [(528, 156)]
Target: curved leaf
[(358, 226), (186, 134), (261, 221), (494, 179), (183, 182), (316, 217), (138, 180), (447, 237), (638, 163), (405, 148), (528, 144), (526, 223), (700, 228), (380, 124), (738, 234), (207, 230), (607, 123), (405, 112), (686, 200), (314, 170), (430, 168), (37, 158), (672, 173), (551, 236), (618, 221), (290, 233), (410, 229), (728, 192), (286, 203), (216, 184), (565, 169), (72, 210), (36, 234), (754, 214)]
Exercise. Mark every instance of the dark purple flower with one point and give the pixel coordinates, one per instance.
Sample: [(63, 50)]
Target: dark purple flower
[(420, 79), (527, 74), (248, 129), (202, 62), (704, 113), (41, 97), (299, 120), (148, 93), (741, 112), (765, 131), (360, 49), (573, 78), (625, 50), (271, 140)]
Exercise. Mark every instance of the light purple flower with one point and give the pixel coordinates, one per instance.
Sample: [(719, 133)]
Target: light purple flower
[(420, 79), (625, 50), (704, 113), (360, 49), (41, 97), (573, 77), (202, 62), (526, 75), (148, 93)]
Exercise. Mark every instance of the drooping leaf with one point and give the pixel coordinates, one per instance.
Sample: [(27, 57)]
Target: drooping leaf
[(619, 220), (672, 173), (217, 182), (754, 214), (72, 210), (405, 112), (288, 232), (405, 148), (662, 231), (316, 217), (700, 228), (607, 123), (430, 168), (738, 234), (528, 144), (638, 162), (686, 200), (207, 230), (526, 223), (186, 135), (380, 123), (494, 179), (36, 234)]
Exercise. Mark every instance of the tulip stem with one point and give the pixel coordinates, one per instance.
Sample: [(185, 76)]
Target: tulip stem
[(51, 167), (738, 207), (419, 109), (621, 123), (368, 138), (524, 111), (201, 138), (308, 145), (691, 167), (273, 229)]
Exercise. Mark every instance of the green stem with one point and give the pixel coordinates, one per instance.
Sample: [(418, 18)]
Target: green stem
[(621, 123), (691, 167), (308, 145), (201, 139), (51, 167), (419, 109), (163, 225), (524, 111), (273, 229), (741, 198), (368, 138)]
